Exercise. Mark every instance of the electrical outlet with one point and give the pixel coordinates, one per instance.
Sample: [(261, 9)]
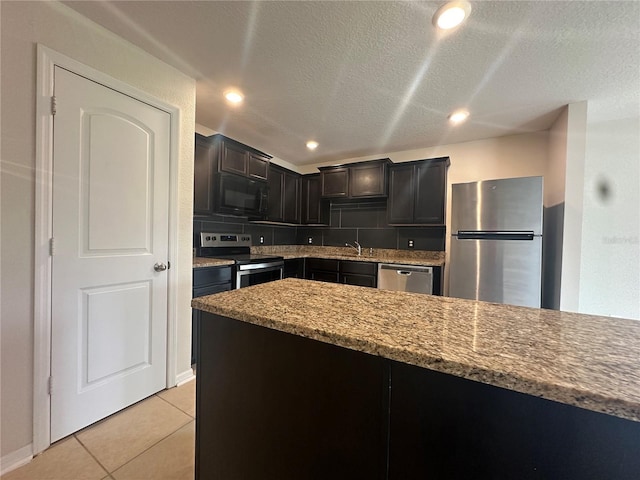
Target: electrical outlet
[(410, 243), (310, 240), (261, 240)]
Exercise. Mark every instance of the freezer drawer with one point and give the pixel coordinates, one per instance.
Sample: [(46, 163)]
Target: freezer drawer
[(500, 271), (405, 278)]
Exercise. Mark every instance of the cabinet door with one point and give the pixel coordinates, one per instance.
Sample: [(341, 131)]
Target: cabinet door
[(233, 158), (258, 167), (368, 180), (291, 198), (400, 206), (275, 198), (315, 209), (335, 182), (311, 199), (431, 184), (294, 268), (203, 168), (360, 280)]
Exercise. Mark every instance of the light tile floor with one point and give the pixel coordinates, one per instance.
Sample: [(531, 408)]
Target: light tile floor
[(153, 439)]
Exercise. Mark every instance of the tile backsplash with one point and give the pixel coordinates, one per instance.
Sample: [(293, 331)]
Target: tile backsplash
[(365, 222)]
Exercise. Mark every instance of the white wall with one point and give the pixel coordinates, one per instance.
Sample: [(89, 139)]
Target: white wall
[(610, 253), (574, 188), (23, 25)]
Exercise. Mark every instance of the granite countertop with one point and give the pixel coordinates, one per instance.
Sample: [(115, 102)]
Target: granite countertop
[(201, 262), (380, 255), (582, 360)]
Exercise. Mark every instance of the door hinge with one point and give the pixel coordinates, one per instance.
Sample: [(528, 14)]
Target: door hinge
[(54, 105), (52, 246), (50, 385)]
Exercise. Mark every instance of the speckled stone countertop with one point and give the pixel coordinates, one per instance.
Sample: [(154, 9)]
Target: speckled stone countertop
[(582, 360), (380, 255), (201, 262)]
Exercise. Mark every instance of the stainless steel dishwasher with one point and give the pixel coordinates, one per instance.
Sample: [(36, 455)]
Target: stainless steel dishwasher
[(405, 278)]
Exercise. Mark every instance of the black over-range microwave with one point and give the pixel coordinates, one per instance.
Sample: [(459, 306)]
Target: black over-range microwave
[(241, 196)]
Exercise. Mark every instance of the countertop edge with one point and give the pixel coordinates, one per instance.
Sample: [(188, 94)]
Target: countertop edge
[(502, 379)]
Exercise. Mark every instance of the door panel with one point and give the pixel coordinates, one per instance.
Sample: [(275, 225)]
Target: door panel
[(106, 313), (110, 225), (116, 183), (501, 271), (510, 204)]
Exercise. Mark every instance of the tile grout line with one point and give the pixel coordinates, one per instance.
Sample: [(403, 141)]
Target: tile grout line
[(91, 454), (153, 445), (175, 406), (109, 473)]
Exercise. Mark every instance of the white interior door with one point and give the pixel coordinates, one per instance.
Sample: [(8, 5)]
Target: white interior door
[(110, 227)]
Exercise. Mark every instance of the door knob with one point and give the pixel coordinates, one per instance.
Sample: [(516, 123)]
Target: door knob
[(159, 267)]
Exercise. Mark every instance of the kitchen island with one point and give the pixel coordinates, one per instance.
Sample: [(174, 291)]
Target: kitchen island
[(301, 379)]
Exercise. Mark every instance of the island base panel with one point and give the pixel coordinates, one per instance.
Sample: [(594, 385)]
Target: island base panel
[(272, 405), (445, 427)]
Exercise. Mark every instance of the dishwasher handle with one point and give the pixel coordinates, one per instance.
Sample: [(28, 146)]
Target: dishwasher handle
[(403, 272)]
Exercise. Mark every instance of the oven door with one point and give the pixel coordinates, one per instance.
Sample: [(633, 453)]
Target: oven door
[(256, 273)]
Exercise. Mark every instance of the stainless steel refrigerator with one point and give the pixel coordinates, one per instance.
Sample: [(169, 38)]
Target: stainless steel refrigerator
[(496, 241)]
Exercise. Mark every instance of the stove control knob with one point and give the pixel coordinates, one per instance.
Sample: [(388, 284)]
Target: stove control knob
[(207, 238), (213, 238)]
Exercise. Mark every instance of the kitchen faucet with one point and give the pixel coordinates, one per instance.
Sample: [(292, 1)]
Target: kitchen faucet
[(356, 247)]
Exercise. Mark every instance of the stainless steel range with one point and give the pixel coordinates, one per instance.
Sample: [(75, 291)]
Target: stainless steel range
[(250, 269)]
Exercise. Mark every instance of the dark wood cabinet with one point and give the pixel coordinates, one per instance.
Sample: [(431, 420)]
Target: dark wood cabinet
[(351, 272), (238, 158), (364, 274), (315, 209), (322, 269), (368, 180), (206, 281), (233, 158), (294, 268), (417, 192), (218, 153), (258, 166), (284, 195), (335, 182), (204, 166), (356, 180)]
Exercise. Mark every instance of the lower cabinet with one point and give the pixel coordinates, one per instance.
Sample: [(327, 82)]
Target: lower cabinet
[(294, 268), (206, 281), (364, 274), (322, 269), (350, 272), (272, 405)]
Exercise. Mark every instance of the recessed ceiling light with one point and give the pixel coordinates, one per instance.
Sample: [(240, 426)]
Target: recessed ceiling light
[(311, 145), (458, 116), (234, 97), (451, 14)]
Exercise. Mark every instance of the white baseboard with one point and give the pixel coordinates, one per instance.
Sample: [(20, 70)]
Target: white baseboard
[(16, 459), (184, 377)]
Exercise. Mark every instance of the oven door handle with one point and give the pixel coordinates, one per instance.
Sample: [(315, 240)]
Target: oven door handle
[(265, 267)]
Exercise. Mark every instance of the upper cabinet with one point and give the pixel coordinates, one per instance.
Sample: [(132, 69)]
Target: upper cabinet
[(241, 159), (315, 210), (284, 195), (356, 180), (216, 154), (417, 192)]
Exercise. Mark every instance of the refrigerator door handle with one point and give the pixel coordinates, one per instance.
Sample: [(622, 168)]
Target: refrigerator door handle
[(490, 235)]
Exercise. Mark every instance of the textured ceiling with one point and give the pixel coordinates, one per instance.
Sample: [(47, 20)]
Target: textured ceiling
[(365, 78)]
